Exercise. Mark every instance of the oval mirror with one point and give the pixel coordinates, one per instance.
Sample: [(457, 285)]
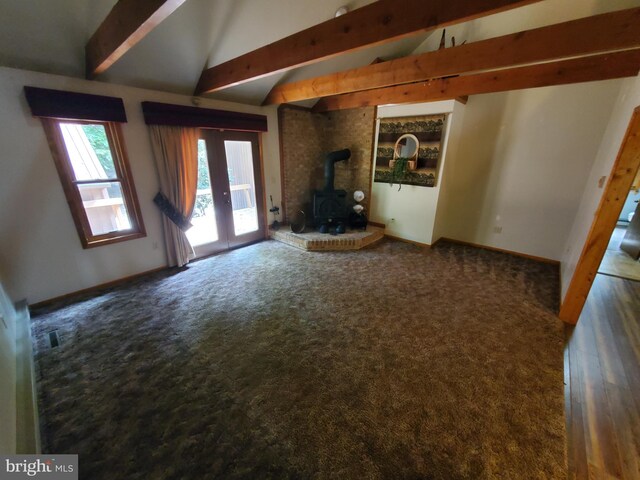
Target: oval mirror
[(406, 146)]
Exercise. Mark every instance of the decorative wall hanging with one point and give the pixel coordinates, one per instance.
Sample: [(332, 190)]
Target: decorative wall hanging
[(397, 136)]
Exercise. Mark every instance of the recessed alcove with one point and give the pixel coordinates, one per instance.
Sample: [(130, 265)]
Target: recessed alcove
[(306, 138), (409, 213)]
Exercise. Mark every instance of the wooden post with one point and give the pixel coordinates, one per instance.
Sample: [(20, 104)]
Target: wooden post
[(622, 174)]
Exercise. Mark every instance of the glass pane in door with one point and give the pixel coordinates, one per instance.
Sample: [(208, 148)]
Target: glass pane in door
[(242, 184), (204, 228)]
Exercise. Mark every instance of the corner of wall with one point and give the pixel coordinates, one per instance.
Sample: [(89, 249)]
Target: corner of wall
[(305, 137), (443, 210), (521, 164), (18, 402), (27, 421), (410, 213), (8, 355), (271, 154), (628, 98)]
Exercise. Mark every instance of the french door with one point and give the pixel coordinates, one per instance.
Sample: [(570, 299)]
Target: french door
[(229, 210)]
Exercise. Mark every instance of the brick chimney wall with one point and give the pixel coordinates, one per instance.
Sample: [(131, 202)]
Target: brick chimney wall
[(306, 138)]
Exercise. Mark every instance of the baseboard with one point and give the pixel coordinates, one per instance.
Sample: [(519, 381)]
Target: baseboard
[(501, 250), (376, 224), (412, 242), (95, 288), (27, 419)]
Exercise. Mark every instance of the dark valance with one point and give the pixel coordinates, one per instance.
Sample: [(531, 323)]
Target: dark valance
[(74, 106), (178, 115)]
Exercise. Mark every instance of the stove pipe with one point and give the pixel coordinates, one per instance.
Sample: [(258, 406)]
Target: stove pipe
[(329, 166)]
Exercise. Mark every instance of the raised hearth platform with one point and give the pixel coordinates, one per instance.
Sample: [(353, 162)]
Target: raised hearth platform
[(315, 241)]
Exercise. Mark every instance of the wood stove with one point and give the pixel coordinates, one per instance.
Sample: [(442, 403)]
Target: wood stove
[(330, 205)]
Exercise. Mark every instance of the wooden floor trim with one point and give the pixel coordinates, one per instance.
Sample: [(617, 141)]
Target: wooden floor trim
[(436, 242), (501, 250), (412, 242), (115, 283), (376, 224), (95, 288)]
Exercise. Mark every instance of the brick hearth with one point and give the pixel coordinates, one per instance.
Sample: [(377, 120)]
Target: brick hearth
[(315, 241)]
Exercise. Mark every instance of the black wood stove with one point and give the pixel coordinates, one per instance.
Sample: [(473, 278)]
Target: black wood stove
[(330, 212)]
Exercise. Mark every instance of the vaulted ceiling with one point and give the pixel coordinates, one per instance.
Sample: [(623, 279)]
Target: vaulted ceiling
[(50, 36)]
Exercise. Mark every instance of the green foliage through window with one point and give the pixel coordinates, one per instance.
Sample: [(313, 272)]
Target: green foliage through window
[(98, 140), (203, 166), (203, 200)]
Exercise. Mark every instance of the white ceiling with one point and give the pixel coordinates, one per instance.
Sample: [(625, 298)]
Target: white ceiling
[(50, 35)]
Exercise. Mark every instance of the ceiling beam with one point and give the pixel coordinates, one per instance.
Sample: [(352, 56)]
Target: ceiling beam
[(379, 22), (597, 34), (585, 69), (126, 24), (320, 104)]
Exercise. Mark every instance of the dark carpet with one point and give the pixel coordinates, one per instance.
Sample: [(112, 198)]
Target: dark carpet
[(271, 362)]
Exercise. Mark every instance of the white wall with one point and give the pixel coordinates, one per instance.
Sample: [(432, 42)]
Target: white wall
[(525, 156), (616, 126), (522, 164), (512, 173), (7, 374), (27, 417), (19, 424), (40, 253), (411, 212), (444, 212)]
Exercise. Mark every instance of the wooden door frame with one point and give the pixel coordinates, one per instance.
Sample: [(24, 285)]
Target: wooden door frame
[(615, 193), (219, 136), (221, 244), (216, 159)]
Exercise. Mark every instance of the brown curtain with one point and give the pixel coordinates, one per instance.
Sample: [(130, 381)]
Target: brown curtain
[(176, 153)]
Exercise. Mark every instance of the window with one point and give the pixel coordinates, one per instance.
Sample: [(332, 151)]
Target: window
[(92, 164), (205, 226)]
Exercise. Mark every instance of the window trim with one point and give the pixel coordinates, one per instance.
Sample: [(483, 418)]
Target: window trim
[(72, 193)]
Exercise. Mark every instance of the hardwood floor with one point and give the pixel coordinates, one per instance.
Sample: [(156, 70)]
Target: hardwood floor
[(616, 262), (602, 377), (619, 264)]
